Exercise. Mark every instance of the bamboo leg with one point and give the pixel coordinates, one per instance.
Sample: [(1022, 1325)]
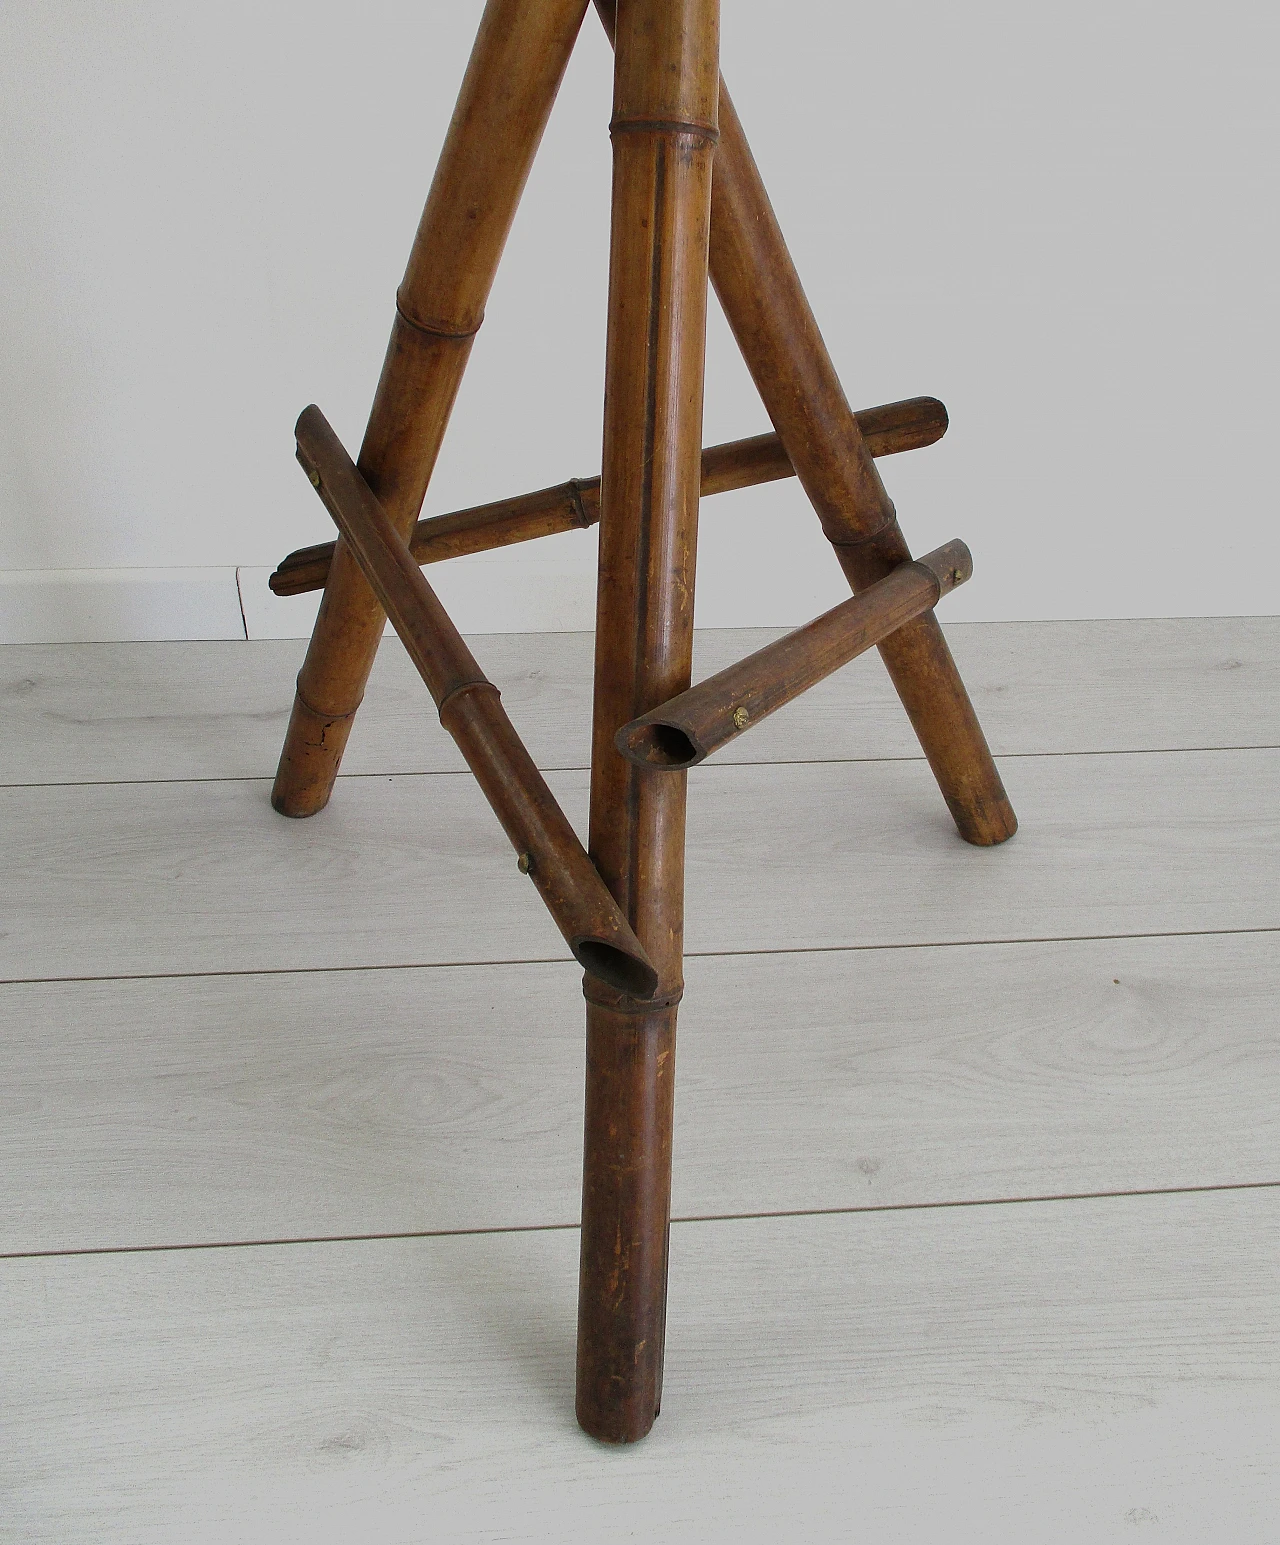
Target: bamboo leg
[(663, 133), (516, 66), (770, 315)]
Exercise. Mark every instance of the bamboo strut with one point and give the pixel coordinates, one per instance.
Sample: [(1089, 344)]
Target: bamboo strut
[(690, 727), (888, 430), (515, 70), (470, 709), (770, 315)]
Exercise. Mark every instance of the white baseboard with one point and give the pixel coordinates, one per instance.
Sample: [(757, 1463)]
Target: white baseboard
[(500, 592), (512, 591), (107, 606)]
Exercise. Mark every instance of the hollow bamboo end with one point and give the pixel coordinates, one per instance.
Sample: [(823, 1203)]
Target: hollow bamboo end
[(617, 967), (658, 744)]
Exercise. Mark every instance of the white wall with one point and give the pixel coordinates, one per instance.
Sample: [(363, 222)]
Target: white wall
[(1061, 219)]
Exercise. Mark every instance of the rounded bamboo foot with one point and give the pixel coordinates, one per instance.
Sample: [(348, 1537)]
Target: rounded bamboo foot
[(309, 762), (626, 1218)]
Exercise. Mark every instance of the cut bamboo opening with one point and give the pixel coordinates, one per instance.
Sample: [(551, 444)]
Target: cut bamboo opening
[(687, 729), (887, 431), (550, 853)]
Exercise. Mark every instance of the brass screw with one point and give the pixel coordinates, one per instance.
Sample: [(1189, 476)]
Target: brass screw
[(314, 475), (524, 863), (955, 576), (741, 718)]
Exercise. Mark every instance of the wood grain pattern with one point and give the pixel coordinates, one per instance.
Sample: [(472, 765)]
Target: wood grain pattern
[(224, 1109), (1052, 1372), (106, 712), (125, 880)]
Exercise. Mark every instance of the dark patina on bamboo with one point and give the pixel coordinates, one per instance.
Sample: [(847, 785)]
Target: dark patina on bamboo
[(886, 431), (664, 132), (690, 727), (471, 710), (516, 66)]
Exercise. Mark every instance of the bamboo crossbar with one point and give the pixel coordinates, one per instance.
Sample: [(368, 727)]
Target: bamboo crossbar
[(887, 431), (470, 709), (683, 732)]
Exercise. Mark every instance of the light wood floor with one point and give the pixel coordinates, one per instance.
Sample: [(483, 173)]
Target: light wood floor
[(977, 1159)]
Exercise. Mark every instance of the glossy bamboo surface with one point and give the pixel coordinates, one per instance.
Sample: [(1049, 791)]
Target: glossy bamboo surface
[(770, 315), (515, 70), (470, 709), (663, 131), (887, 430), (690, 727)]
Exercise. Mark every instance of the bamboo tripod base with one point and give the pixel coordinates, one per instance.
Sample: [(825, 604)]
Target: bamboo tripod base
[(687, 205)]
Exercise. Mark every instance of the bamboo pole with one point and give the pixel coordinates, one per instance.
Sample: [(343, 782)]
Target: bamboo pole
[(663, 132), (887, 431), (685, 731), (770, 315), (470, 709), (515, 70)]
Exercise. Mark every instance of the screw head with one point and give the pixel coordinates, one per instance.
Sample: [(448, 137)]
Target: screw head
[(315, 477), (741, 717), (524, 863)]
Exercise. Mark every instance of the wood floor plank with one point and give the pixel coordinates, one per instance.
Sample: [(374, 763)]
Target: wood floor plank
[(161, 878), (1042, 1372), (222, 1109), (103, 712)]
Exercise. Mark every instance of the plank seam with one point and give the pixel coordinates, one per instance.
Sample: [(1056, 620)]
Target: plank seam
[(809, 761), (725, 1217), (557, 960)]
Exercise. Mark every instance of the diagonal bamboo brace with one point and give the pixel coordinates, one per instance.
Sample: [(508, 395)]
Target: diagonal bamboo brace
[(597, 933), (571, 506), (683, 732)]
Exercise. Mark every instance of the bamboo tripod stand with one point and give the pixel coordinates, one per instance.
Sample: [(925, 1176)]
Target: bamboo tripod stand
[(619, 903)]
